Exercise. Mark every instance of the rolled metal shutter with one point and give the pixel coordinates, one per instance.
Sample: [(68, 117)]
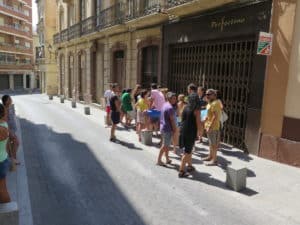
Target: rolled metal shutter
[(4, 82)]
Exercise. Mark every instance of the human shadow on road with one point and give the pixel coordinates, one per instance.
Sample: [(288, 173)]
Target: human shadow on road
[(68, 184), (128, 145)]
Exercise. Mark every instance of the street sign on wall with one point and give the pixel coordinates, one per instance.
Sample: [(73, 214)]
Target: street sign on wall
[(264, 46)]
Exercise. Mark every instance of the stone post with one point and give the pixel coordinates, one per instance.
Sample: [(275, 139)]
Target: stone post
[(11, 82), (24, 81)]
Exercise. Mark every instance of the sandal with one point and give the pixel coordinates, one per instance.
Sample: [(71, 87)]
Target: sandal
[(212, 163), (206, 159), (182, 174), (191, 169), (169, 161), (161, 164)]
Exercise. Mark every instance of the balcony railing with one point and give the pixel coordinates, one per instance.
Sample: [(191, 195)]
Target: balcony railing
[(116, 14), (173, 3), (111, 16), (13, 9), (139, 8), (88, 25), (14, 47)]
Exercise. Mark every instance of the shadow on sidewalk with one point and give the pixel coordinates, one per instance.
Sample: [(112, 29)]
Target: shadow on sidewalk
[(68, 184), (209, 180), (128, 145)]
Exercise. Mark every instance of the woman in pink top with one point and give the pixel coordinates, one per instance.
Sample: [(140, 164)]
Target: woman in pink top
[(158, 97)]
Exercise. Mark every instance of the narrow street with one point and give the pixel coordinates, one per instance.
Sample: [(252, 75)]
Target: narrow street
[(77, 177)]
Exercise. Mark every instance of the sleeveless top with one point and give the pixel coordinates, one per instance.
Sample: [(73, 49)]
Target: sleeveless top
[(3, 153), (188, 123)]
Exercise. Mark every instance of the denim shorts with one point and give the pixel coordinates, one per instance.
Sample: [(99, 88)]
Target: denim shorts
[(4, 168), (166, 138)]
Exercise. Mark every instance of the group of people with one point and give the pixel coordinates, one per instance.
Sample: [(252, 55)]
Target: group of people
[(183, 119), (8, 144)]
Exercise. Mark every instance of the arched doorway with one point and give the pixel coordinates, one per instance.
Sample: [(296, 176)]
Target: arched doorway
[(118, 72), (70, 75), (149, 66)]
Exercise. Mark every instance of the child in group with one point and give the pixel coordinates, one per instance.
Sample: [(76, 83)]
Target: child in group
[(142, 108)]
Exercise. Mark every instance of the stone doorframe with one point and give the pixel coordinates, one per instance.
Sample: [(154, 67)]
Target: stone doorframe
[(61, 73), (117, 47), (70, 76), (80, 80), (150, 41)]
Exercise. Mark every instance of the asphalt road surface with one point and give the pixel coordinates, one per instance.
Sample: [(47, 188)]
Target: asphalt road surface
[(77, 177)]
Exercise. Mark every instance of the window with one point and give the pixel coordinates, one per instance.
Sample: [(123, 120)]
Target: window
[(17, 41), (83, 10), (2, 40), (1, 21), (27, 44), (27, 29), (26, 12), (71, 17), (61, 19), (149, 65)]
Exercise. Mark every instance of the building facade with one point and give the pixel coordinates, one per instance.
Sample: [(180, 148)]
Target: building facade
[(174, 43), (45, 53), (16, 45)]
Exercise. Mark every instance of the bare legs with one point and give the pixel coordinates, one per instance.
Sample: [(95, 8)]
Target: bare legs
[(163, 150), (4, 195), (112, 131)]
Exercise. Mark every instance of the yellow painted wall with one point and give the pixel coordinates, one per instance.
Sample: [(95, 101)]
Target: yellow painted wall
[(292, 106), (276, 81)]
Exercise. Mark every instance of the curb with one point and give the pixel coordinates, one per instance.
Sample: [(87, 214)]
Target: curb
[(24, 203)]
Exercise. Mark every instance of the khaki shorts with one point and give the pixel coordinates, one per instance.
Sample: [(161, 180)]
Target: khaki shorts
[(140, 117), (213, 137)]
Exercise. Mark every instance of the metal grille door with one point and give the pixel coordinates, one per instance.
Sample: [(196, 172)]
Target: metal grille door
[(18, 81), (225, 65), (4, 82)]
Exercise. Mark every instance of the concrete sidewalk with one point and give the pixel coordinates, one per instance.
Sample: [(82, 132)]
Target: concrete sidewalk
[(273, 188), (18, 187)]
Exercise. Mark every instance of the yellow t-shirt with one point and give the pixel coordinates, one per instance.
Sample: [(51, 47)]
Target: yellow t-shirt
[(213, 107), (142, 105)]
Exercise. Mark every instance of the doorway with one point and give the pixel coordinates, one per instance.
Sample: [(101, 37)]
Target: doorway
[(118, 75), (149, 66)]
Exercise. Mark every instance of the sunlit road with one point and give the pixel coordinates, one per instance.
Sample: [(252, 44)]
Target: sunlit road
[(77, 177)]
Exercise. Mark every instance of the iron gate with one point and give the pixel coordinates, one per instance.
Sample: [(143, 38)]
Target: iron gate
[(224, 65)]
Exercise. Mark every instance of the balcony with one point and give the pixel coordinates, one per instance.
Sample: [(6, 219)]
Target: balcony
[(13, 11), (118, 14), (105, 18), (140, 8), (14, 30), (16, 48), (174, 3), (14, 64)]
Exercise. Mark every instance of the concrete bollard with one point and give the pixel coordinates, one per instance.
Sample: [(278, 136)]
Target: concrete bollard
[(73, 104), (62, 99), (105, 121), (236, 177), (146, 136), (9, 213), (50, 97), (87, 110)]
